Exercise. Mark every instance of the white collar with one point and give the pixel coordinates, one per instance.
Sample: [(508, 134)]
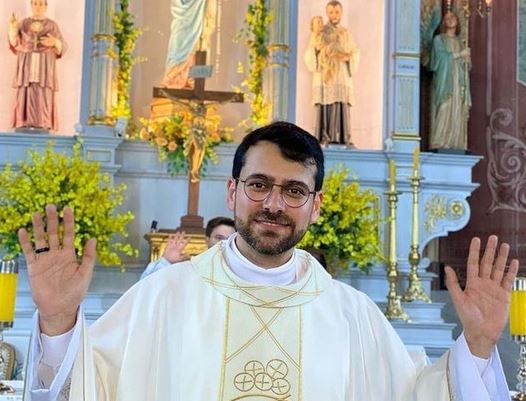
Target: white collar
[(248, 271)]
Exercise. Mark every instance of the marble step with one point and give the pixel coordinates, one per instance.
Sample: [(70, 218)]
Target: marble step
[(425, 334)]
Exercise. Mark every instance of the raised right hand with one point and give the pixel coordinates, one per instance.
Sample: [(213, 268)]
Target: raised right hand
[(174, 251), (13, 22), (58, 283)]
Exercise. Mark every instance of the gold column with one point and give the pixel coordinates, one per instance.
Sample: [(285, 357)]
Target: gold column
[(394, 310)]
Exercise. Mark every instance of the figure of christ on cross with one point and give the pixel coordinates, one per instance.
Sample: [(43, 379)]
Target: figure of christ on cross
[(197, 100)]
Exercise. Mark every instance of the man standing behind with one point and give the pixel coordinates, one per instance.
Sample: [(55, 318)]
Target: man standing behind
[(333, 64), (217, 229), (38, 43)]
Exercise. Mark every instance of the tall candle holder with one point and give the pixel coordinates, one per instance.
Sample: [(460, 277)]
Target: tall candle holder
[(415, 291), (394, 309), (8, 278), (518, 332)]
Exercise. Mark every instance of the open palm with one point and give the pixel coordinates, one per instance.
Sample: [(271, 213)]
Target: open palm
[(483, 306), (58, 282)]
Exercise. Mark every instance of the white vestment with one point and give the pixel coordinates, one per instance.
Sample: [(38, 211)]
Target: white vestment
[(197, 332)]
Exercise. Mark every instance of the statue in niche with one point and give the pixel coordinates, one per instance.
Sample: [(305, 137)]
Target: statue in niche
[(38, 43), (193, 23), (333, 57), (450, 63)]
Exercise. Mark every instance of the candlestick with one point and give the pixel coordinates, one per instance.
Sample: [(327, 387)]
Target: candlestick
[(415, 290), (394, 309)]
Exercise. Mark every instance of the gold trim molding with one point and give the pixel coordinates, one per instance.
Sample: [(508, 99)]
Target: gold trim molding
[(103, 36), (278, 46), (406, 136), (107, 120)]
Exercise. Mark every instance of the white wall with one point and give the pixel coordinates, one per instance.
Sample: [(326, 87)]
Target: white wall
[(69, 15), (365, 19)]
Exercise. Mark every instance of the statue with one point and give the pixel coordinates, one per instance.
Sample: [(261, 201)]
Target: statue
[(450, 93), (193, 24), (333, 57), (38, 43)]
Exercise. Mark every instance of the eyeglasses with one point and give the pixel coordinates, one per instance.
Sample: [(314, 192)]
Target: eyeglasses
[(258, 189)]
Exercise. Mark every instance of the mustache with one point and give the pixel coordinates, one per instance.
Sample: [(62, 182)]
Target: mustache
[(278, 218)]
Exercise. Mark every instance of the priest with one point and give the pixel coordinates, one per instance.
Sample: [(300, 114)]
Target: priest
[(253, 318)]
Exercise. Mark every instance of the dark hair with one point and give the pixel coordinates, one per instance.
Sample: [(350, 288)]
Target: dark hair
[(295, 144), (218, 221), (334, 3)]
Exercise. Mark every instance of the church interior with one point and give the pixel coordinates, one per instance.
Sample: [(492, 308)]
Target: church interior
[(418, 104)]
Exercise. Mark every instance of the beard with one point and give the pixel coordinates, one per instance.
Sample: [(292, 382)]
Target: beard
[(269, 242)]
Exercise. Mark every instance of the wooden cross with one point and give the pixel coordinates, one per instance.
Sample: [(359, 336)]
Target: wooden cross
[(192, 223)]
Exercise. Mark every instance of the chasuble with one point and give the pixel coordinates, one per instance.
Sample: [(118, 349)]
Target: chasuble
[(198, 332)]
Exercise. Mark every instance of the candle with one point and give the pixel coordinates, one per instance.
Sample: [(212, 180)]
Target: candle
[(448, 5), (7, 296), (392, 175), (518, 308), (488, 3), (416, 160)]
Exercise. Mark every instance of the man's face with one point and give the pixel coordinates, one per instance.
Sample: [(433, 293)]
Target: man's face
[(271, 227), (38, 7), (219, 233), (334, 13)]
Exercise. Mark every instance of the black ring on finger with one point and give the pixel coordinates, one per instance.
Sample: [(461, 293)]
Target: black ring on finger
[(42, 250)]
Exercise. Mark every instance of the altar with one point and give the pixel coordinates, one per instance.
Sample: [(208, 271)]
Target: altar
[(387, 124)]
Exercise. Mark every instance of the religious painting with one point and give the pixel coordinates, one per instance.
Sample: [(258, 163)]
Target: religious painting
[(340, 71), (172, 35), (41, 65), (521, 41)]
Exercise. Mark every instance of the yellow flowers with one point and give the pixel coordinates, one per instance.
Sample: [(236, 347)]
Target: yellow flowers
[(255, 34), (347, 230), (56, 178), (175, 135)]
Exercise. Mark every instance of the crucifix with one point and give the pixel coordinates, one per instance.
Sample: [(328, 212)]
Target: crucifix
[(196, 99)]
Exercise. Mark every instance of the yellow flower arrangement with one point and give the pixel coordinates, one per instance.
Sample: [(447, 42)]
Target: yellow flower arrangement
[(56, 178), (347, 230), (174, 136), (255, 35)]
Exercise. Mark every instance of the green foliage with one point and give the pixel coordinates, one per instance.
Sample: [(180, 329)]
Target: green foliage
[(347, 230), (255, 34), (173, 137), (55, 178), (126, 35)]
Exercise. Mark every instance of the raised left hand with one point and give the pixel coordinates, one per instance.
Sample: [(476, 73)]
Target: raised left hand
[(483, 306)]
